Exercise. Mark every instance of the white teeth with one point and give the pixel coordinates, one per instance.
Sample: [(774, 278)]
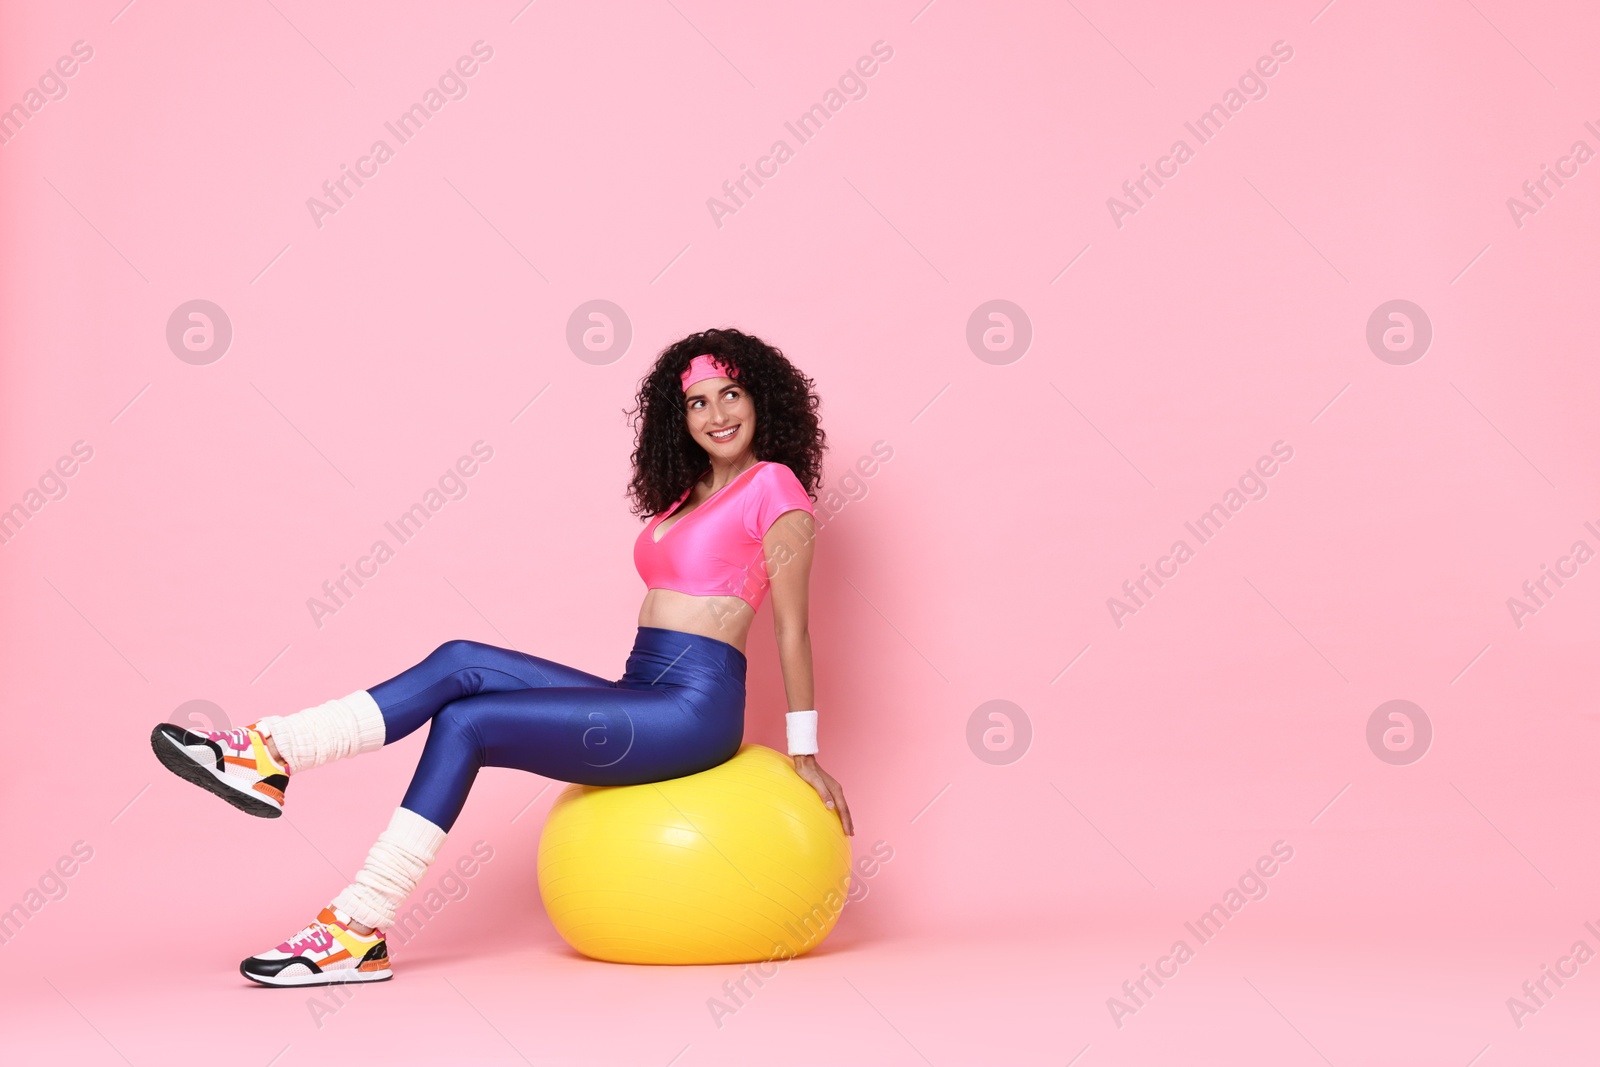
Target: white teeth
[(726, 433)]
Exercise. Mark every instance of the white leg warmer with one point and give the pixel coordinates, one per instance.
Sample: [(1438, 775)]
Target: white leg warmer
[(393, 868), (345, 726)]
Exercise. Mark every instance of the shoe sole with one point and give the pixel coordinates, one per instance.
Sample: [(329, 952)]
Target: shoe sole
[(349, 974), (175, 758)]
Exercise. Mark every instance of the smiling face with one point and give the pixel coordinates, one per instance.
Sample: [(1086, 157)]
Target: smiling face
[(712, 408)]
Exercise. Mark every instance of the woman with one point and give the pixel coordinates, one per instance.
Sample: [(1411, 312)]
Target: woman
[(728, 451)]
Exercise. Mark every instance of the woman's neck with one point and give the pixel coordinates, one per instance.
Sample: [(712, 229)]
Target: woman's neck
[(723, 472)]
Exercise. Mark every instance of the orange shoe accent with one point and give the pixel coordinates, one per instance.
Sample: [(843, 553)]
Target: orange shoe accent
[(268, 791), (374, 965), (242, 761)]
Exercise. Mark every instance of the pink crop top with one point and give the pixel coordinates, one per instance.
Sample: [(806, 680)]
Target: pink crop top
[(715, 550)]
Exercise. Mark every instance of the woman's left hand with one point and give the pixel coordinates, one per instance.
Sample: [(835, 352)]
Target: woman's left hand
[(831, 792)]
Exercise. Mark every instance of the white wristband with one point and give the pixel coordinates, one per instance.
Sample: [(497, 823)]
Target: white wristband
[(802, 732)]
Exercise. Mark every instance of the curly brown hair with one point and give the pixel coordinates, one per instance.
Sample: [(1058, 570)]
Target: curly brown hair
[(667, 461)]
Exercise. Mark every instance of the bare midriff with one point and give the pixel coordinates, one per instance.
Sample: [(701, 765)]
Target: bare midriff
[(724, 618)]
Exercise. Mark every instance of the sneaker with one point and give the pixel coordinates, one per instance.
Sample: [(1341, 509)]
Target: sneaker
[(325, 952), (234, 764)]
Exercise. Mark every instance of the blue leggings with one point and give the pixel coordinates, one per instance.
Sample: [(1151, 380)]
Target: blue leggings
[(678, 709)]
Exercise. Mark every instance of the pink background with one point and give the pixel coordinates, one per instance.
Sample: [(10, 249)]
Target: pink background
[(1229, 313)]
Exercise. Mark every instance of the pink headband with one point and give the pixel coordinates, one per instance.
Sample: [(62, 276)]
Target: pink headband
[(705, 366)]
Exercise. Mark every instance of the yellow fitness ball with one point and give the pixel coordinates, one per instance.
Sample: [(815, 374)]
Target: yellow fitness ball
[(737, 864)]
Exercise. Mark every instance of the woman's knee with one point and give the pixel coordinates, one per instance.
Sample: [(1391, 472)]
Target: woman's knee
[(459, 652), (456, 725)]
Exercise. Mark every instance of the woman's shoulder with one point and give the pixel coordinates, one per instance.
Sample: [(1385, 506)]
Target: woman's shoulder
[(777, 489), (776, 474)]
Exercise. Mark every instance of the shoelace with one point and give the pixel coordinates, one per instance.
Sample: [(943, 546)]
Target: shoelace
[(316, 936), (237, 739)]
